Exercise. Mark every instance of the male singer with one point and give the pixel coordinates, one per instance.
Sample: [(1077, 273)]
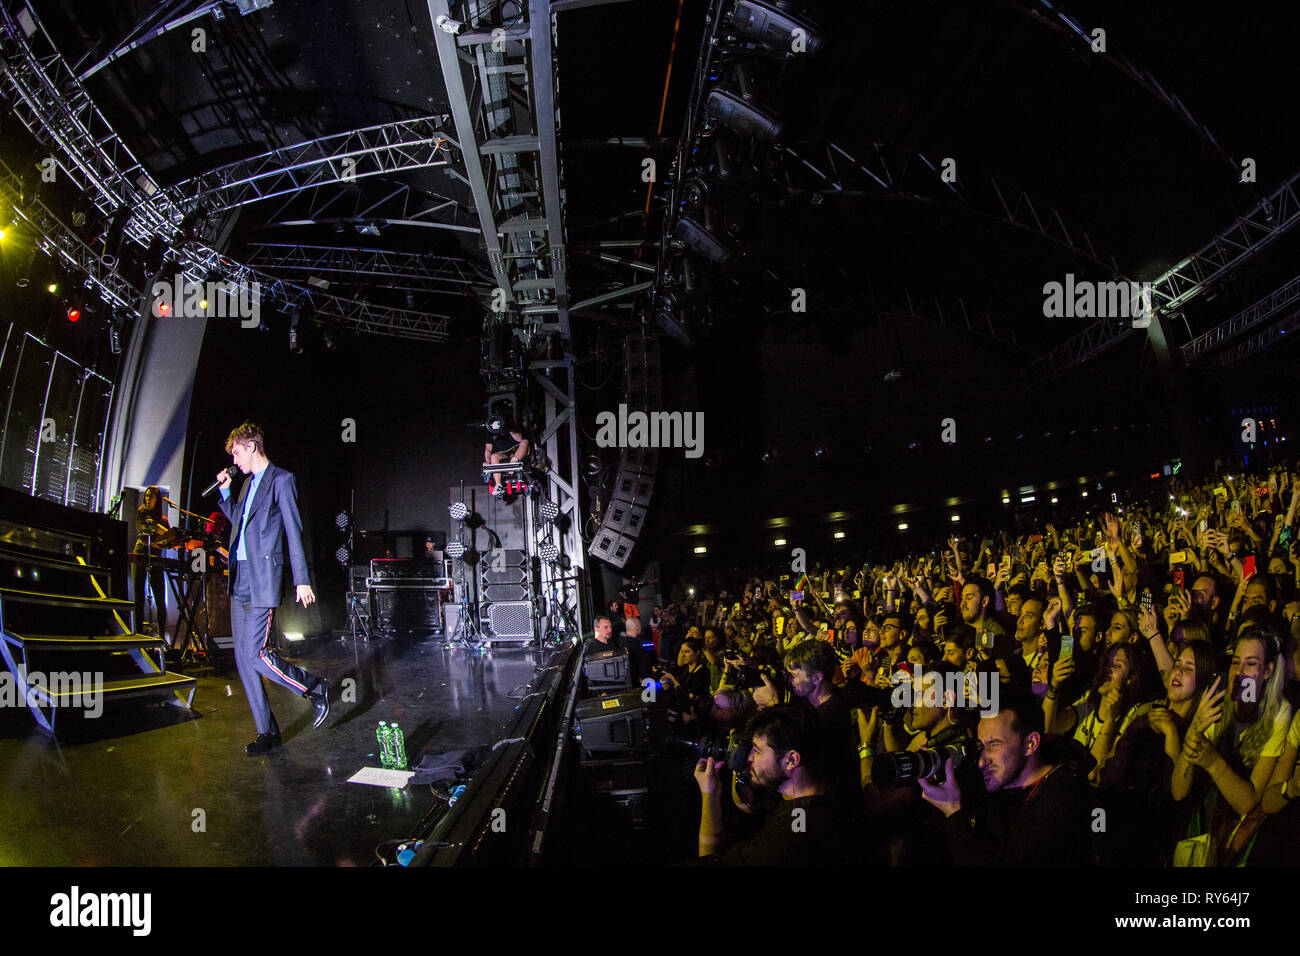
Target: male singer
[(264, 519)]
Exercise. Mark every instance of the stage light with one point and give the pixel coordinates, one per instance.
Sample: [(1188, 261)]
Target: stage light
[(701, 550), (164, 309), (902, 526), (2, 233), (203, 304), (954, 518), (52, 288), (550, 511), (1007, 501), (73, 313), (343, 520), (550, 552), (459, 511), (293, 637), (779, 543), (295, 345), (341, 555), (1054, 500), (455, 549), (777, 30), (838, 535)]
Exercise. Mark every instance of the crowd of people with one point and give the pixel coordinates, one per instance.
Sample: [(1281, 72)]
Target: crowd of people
[(1116, 689)]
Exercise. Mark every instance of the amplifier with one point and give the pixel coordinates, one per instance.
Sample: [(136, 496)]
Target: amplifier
[(607, 670), (621, 724), (406, 608), (509, 620)]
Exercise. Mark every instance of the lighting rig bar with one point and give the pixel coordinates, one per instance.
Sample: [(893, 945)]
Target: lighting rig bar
[(402, 271), (405, 145), (1275, 302), (55, 107), (1225, 253), (909, 174), (60, 242), (1259, 343)]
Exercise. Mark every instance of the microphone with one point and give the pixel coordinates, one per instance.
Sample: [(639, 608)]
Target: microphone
[(217, 484)]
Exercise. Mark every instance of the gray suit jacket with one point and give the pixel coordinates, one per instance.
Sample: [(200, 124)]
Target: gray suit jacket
[(274, 528)]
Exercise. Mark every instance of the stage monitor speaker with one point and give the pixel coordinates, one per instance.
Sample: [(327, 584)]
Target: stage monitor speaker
[(607, 670), (634, 486), (450, 619), (413, 609), (510, 620), (623, 723)]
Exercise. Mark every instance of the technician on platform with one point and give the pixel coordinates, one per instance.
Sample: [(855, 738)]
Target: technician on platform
[(264, 520)]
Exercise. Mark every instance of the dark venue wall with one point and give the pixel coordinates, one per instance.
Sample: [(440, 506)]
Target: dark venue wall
[(411, 404)]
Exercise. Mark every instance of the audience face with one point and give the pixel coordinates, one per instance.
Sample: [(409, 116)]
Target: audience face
[(954, 654), (1249, 668), (1004, 752), (1120, 630), (1256, 596), (1205, 595), (767, 768), (923, 620), (891, 634), (802, 683), (1085, 631), (1182, 680), (1015, 603), (633, 627), (687, 656), (972, 604), (1030, 622)]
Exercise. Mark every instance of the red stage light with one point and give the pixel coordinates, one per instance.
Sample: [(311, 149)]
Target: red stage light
[(164, 308), (74, 314)]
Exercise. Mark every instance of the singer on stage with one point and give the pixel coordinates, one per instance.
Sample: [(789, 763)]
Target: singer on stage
[(264, 523)]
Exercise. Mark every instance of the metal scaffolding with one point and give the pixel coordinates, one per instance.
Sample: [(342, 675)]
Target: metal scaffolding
[(1266, 308), (1225, 253)]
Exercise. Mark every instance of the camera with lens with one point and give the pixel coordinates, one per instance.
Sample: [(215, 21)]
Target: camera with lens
[(901, 767), (732, 750)]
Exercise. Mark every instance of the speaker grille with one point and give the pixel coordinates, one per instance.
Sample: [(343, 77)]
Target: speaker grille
[(511, 619)]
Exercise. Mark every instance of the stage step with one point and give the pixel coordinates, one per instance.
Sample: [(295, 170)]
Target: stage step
[(63, 600), (44, 560), (82, 642), (142, 685)]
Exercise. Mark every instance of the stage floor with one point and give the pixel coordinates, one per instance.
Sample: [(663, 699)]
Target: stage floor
[(123, 790)]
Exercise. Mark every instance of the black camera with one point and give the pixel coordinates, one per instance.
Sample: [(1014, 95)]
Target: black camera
[(730, 749), (904, 766)]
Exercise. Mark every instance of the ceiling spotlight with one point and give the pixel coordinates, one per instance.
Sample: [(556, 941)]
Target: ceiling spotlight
[(455, 549), (459, 511)]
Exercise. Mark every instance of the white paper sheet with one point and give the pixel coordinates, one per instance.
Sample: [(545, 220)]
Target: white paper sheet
[(381, 777)]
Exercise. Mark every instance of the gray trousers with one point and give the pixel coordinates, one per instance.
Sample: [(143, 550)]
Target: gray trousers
[(251, 628)]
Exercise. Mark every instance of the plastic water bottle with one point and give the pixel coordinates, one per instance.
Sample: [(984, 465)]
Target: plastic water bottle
[(399, 748), (455, 793), (385, 744)]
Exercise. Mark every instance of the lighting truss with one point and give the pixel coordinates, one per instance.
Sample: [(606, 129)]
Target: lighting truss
[(1258, 343), (1273, 303), (408, 144), (52, 103), (1223, 254), (445, 275)]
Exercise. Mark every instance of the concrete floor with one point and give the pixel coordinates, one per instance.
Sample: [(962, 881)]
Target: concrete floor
[(123, 790)]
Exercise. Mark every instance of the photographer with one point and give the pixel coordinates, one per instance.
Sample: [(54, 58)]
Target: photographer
[(804, 824), (1038, 805)]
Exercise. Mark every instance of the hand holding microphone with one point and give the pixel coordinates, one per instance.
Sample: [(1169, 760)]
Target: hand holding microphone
[(223, 481)]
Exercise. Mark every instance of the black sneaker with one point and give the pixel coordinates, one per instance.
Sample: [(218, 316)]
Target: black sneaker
[(264, 744)]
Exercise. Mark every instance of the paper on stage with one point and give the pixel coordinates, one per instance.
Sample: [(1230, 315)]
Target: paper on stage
[(380, 777)]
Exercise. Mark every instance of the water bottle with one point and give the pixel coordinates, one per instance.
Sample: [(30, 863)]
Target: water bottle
[(399, 748), (455, 793), (385, 736)]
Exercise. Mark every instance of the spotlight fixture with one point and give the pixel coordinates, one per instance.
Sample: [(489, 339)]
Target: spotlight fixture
[(838, 535), (775, 29), (343, 520), (550, 511), (459, 511), (455, 549), (341, 555), (550, 552), (701, 549)]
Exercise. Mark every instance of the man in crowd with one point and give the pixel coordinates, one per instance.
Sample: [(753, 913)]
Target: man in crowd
[(1039, 807)]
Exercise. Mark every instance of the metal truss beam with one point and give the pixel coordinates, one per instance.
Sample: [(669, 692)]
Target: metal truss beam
[(395, 270), (1054, 18), (381, 150), (912, 175), (1245, 320), (957, 317), (55, 107), (1244, 238), (52, 237), (1261, 342)]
